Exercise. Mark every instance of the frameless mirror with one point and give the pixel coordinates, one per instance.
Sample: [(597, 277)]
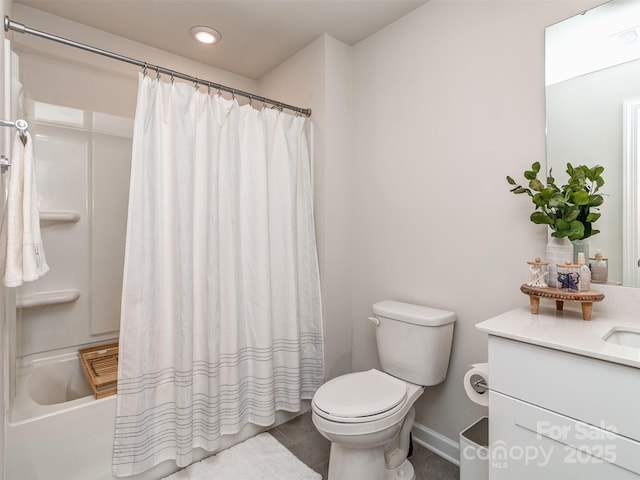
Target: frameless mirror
[(593, 118)]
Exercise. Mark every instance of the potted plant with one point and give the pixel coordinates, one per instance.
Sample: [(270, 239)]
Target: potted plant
[(571, 209)]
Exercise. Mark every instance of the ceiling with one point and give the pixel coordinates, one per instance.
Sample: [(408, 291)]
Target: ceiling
[(257, 35)]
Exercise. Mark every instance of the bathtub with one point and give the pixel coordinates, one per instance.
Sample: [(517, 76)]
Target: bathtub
[(57, 430)]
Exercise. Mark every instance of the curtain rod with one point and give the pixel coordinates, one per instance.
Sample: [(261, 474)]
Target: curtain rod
[(21, 28)]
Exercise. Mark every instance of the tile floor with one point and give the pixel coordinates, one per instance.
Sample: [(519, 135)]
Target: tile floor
[(303, 440)]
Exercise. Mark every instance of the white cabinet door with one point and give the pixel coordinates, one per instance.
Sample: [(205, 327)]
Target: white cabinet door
[(530, 443)]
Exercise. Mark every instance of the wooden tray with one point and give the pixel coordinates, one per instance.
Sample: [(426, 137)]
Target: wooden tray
[(586, 299), (100, 366)]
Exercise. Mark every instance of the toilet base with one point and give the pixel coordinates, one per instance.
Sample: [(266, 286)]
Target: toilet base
[(403, 472), (365, 464), (356, 463)]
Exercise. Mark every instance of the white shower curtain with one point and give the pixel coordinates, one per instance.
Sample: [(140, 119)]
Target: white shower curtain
[(221, 320)]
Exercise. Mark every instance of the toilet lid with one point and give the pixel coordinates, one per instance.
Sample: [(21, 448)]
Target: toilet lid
[(360, 394)]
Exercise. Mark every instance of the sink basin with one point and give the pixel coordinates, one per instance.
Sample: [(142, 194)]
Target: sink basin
[(624, 337)]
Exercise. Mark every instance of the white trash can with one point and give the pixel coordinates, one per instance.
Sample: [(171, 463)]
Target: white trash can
[(474, 451)]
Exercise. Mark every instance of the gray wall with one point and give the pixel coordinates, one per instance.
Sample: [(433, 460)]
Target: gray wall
[(447, 101)]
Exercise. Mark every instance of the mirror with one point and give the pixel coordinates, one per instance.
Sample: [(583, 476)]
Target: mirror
[(592, 64)]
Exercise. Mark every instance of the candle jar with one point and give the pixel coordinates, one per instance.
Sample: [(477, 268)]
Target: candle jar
[(599, 269), (538, 271), (568, 277)]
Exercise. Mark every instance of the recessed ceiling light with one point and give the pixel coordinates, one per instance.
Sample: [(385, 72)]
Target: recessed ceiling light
[(205, 34)]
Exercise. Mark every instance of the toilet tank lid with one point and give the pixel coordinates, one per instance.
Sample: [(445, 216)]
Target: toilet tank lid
[(416, 314)]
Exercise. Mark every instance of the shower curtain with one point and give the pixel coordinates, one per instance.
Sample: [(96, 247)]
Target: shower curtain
[(221, 319)]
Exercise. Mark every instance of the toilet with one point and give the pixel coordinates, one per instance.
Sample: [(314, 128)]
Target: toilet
[(367, 416)]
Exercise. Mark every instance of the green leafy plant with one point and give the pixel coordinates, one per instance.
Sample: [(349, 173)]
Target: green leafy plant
[(571, 209)]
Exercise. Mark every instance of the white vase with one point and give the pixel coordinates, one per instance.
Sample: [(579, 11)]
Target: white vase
[(559, 250)]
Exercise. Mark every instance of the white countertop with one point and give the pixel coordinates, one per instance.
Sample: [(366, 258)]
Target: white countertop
[(565, 330)]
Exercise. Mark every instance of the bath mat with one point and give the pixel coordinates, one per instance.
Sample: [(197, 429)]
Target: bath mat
[(260, 458)]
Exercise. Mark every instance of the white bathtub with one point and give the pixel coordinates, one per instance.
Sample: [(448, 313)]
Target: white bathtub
[(59, 431)]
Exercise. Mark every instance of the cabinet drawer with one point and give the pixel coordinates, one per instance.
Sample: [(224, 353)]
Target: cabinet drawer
[(599, 393), (529, 442)]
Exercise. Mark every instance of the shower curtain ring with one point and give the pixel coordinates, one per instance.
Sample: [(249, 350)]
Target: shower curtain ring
[(144, 70), (208, 88), (195, 83), (219, 92), (233, 94), (250, 100), (172, 72), (157, 72)]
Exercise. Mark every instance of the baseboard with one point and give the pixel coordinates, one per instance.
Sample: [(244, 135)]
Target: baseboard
[(437, 443)]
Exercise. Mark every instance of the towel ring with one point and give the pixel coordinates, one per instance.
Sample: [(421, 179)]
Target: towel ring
[(21, 125)]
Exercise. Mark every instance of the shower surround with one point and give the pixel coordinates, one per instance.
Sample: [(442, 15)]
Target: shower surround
[(83, 162)]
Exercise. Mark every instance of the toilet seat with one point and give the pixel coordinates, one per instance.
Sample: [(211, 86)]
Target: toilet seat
[(360, 397)]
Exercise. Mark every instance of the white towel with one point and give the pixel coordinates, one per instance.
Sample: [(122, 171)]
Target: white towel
[(21, 244)]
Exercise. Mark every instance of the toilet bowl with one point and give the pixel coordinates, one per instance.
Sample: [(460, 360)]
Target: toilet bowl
[(367, 416)]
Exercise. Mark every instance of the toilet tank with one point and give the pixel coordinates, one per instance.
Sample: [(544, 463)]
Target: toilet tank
[(414, 342)]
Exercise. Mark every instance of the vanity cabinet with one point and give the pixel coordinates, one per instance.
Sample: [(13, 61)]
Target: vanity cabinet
[(559, 415)]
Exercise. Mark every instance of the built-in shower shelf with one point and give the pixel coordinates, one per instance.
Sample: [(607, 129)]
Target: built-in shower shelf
[(53, 297), (59, 216)]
